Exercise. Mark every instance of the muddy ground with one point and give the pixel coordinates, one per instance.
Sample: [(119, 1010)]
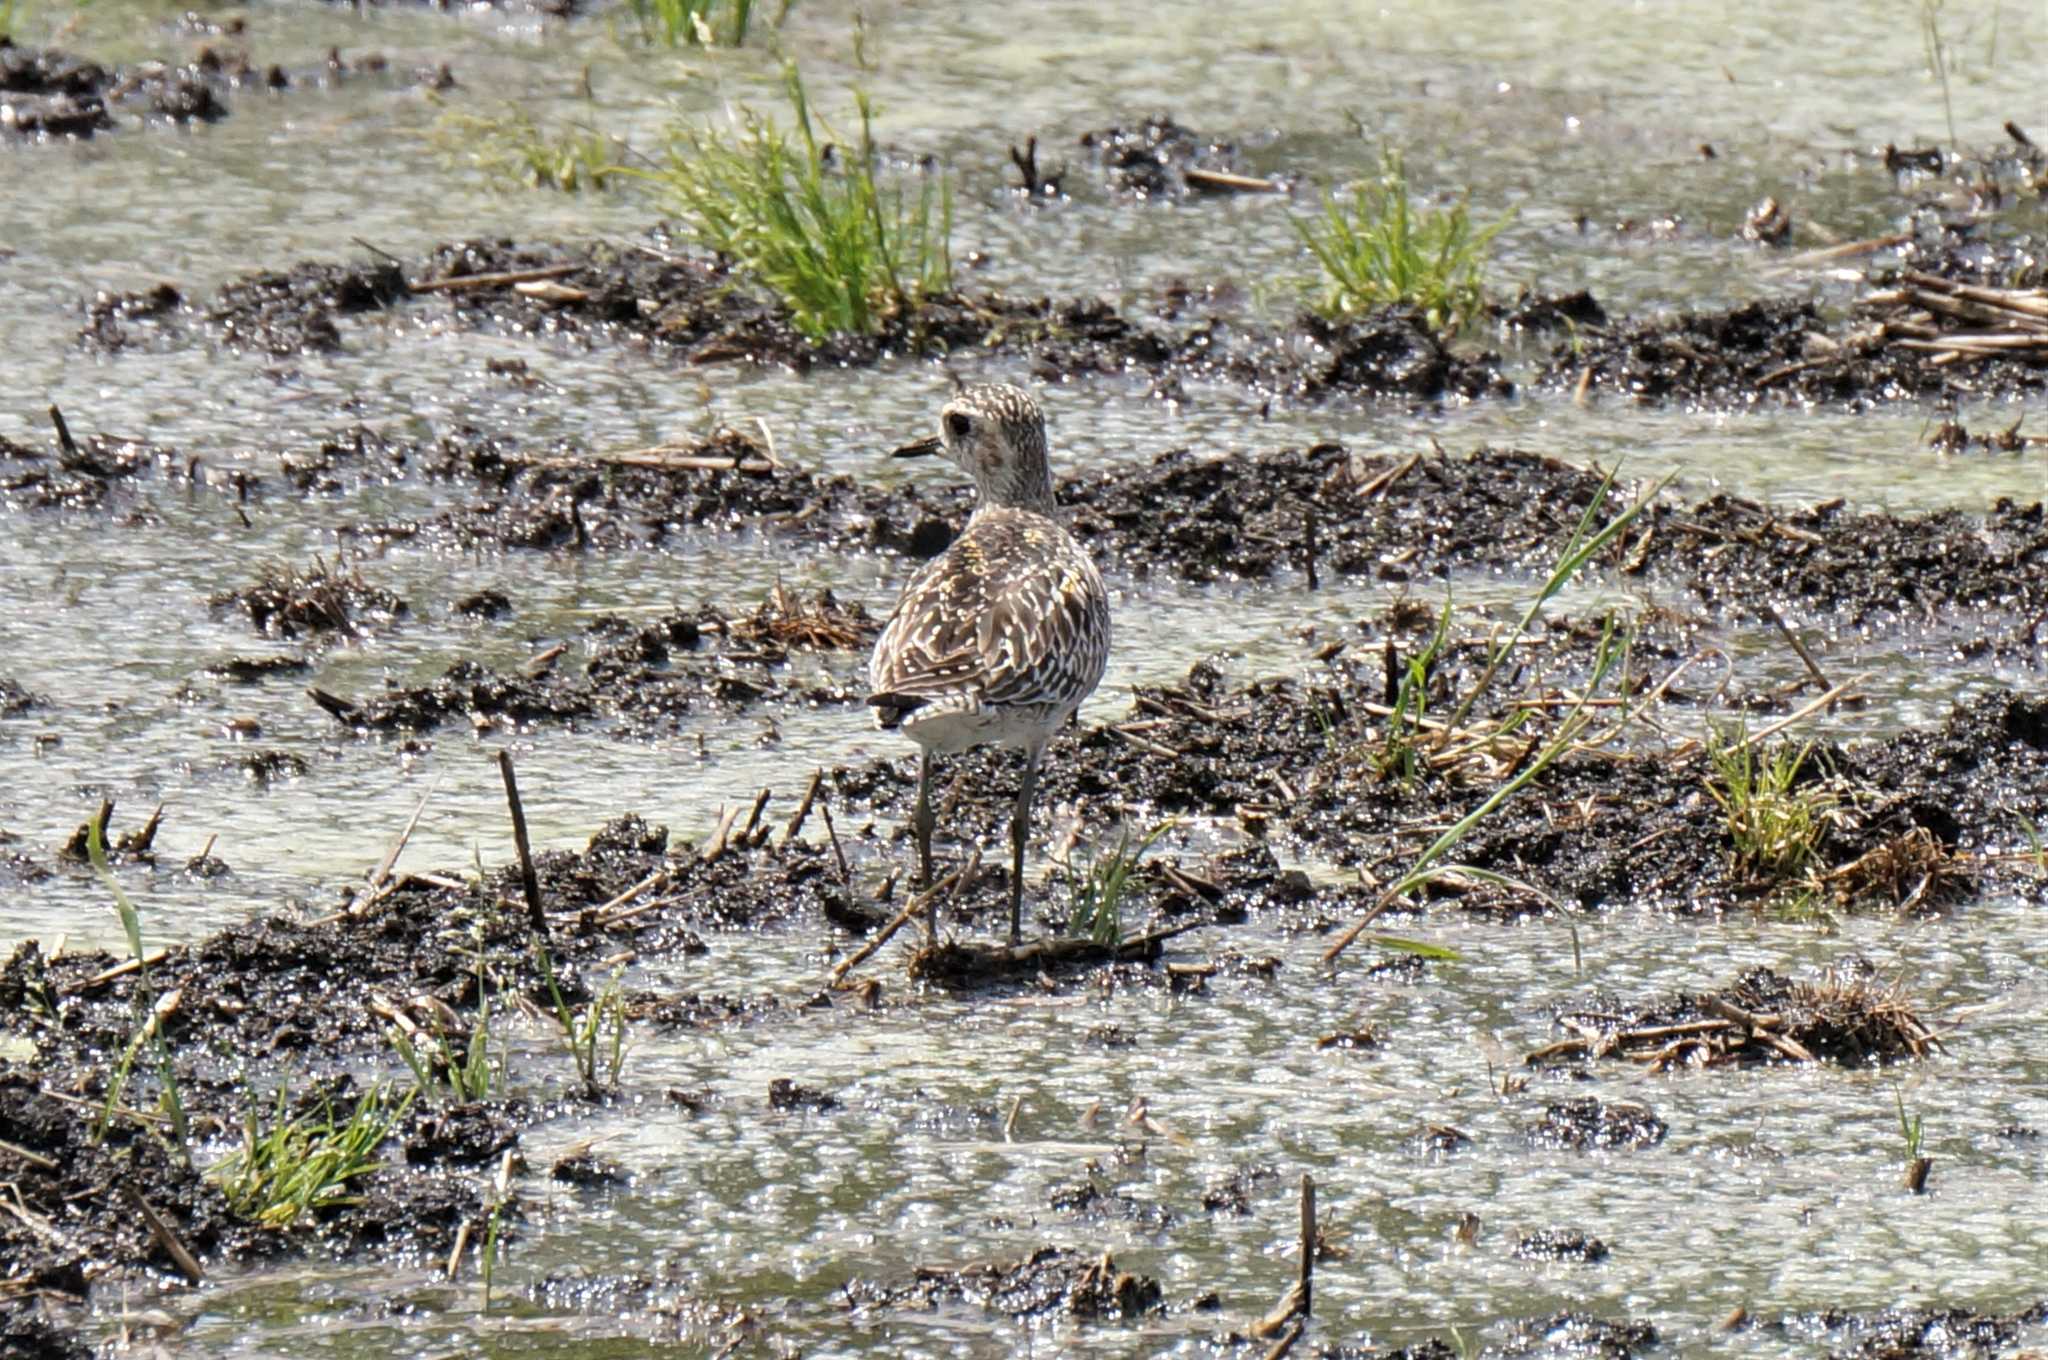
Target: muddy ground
[(47, 94), (1623, 816), (1625, 820)]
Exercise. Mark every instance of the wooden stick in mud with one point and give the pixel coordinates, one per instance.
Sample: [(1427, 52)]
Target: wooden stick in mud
[(832, 833), (165, 1236), (529, 881), (64, 439), (1286, 1343), (1306, 1282), (1799, 648), (747, 836), (902, 918), (462, 282), (1224, 182), (803, 809), (380, 877), (715, 846), (34, 1159), (1800, 714)]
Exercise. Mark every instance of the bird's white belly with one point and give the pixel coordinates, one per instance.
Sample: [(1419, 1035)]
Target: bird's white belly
[(943, 733)]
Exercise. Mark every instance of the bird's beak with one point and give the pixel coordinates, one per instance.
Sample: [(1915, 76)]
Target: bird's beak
[(923, 448)]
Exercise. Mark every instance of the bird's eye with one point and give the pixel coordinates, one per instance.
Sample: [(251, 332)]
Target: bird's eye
[(958, 425)]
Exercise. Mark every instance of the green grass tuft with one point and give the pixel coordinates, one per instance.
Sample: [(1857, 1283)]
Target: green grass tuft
[(811, 220), (598, 1030), (1102, 883), (148, 1015), (294, 1165), (1378, 250), (1775, 824), (516, 150), (699, 23)]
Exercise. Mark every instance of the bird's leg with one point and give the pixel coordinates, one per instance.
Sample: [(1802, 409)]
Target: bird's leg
[(922, 821), (1019, 824)]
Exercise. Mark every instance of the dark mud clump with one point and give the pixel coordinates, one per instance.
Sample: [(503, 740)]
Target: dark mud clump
[(1159, 158), (249, 670), (47, 93), (1582, 1336), (1560, 1244), (286, 602), (1956, 317), (658, 297), (295, 311), (1589, 1124), (1846, 1017), (1906, 1333), (1051, 1281), (14, 700), (1325, 511), (78, 474), (647, 678)]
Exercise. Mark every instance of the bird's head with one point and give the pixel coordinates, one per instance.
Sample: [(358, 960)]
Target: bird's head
[(996, 434)]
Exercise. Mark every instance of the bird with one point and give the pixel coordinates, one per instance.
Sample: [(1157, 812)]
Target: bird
[(998, 639)]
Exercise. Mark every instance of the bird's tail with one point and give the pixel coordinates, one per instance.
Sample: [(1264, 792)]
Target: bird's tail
[(891, 709)]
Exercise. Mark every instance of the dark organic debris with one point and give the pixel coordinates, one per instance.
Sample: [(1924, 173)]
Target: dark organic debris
[(784, 1093), (1908, 1333), (1588, 1123), (288, 602), (1560, 1244), (1846, 1017), (647, 678), (1052, 1280), (75, 475), (1580, 1336), (1159, 158), (248, 670), (14, 700)]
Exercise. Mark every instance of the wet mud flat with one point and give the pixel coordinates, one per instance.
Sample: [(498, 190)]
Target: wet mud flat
[(1950, 311), (1296, 802), (1265, 774)]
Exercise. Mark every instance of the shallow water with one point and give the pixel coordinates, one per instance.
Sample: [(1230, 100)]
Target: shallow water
[(1777, 1190)]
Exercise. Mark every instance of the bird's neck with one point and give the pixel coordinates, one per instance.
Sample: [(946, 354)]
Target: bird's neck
[(1029, 489)]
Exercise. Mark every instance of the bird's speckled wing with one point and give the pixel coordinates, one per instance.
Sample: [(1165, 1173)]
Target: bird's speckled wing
[(1013, 613)]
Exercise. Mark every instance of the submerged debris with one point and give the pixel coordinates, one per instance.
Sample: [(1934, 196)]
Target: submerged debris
[(1050, 1280), (288, 602), (1589, 1123), (1907, 1333), (1846, 1017)]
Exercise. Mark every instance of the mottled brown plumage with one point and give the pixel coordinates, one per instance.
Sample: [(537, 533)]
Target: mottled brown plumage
[(1000, 637)]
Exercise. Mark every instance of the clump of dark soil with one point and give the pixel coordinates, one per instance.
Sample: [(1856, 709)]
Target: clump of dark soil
[(48, 93), (645, 677), (287, 602), (1918, 334), (1580, 1335), (1971, 583), (76, 475), (1846, 1017), (657, 297), (1589, 1124), (1153, 160), (1052, 1280), (1905, 1333), (14, 700), (1560, 1244), (248, 670)]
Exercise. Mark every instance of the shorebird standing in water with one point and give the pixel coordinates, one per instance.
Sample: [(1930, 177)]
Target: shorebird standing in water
[(999, 638)]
